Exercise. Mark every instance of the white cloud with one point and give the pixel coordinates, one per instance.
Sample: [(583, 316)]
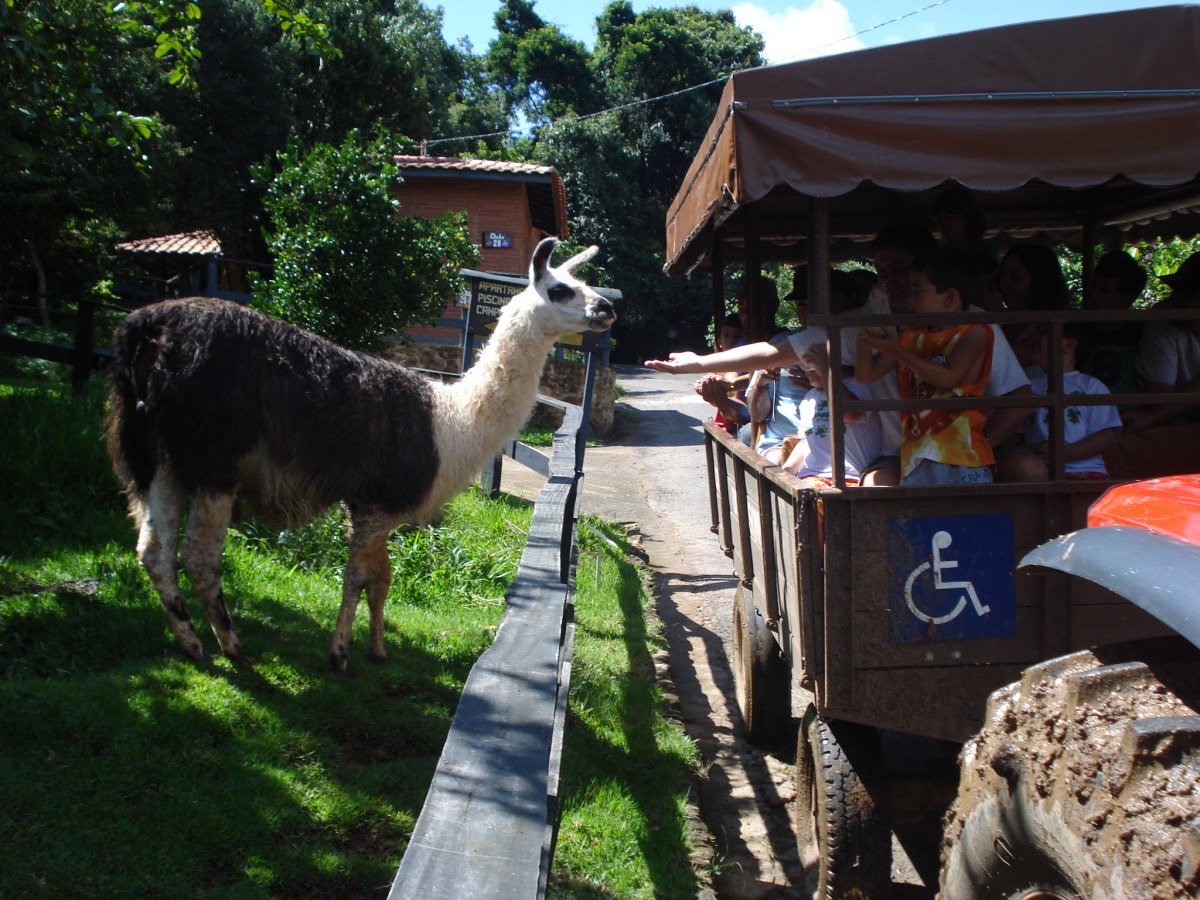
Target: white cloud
[(821, 28)]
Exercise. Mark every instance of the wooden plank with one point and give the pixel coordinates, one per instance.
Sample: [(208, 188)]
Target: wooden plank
[(744, 554), (765, 583), (786, 574), (553, 795), (710, 451), (840, 548), (488, 826), (723, 482), (809, 561), (529, 458), (482, 830), (947, 703)]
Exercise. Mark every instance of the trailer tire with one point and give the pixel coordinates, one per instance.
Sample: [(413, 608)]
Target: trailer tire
[(760, 674), (843, 830), (1085, 781)]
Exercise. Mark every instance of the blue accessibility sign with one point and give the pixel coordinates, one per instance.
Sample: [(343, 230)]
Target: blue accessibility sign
[(951, 578)]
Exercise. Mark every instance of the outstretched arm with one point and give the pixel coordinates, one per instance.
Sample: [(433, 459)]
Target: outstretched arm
[(762, 355)]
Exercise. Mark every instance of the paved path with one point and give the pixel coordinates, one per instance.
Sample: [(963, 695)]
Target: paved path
[(652, 477)]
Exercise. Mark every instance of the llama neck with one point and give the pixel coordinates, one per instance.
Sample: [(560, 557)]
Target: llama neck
[(493, 400)]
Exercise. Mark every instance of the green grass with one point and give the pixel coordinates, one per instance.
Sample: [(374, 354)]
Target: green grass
[(129, 770), (627, 767)]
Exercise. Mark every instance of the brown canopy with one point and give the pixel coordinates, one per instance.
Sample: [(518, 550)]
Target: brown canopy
[(1061, 125)]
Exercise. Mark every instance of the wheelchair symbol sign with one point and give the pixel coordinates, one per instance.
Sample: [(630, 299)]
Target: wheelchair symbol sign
[(952, 578)]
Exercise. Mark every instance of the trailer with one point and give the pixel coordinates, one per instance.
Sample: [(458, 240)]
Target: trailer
[(868, 615)]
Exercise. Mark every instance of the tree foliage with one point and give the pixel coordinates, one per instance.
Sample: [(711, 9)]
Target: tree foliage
[(346, 266), (125, 120), (544, 73), (622, 168)]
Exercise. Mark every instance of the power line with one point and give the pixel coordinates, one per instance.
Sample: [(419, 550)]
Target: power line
[(857, 34), (697, 87)]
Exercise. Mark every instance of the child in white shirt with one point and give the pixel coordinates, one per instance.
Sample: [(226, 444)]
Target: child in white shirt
[(1087, 430), (811, 458)]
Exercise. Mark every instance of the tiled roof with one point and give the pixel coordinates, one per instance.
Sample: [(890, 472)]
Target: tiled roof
[(455, 163), (193, 243), (543, 185)]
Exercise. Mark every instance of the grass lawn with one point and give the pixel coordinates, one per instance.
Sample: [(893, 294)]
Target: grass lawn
[(129, 770)]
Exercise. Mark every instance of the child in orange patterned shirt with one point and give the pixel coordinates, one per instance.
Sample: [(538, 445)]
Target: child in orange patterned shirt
[(938, 446)]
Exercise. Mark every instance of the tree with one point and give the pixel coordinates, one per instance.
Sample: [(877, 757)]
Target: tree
[(345, 266), (545, 73), (122, 120), (622, 168)]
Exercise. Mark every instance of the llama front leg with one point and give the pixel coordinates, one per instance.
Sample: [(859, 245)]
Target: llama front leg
[(369, 569), (208, 523), (158, 515)]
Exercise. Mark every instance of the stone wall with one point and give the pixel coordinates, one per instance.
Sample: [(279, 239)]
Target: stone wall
[(562, 380)]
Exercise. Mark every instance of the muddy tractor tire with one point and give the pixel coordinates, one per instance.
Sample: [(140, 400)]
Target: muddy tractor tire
[(760, 674), (1084, 781), (843, 830)]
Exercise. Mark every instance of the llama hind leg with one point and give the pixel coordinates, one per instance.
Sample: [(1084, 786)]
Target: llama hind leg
[(208, 523), (369, 569), (158, 514)]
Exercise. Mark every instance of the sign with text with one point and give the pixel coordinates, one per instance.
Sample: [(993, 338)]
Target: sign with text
[(488, 299), (496, 240), (489, 294)]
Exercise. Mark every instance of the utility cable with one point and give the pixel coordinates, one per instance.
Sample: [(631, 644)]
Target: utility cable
[(696, 87)]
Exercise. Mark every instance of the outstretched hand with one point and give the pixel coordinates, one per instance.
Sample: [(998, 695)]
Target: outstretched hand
[(686, 363)]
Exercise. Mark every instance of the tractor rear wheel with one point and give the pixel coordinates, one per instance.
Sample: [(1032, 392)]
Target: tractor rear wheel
[(1085, 781)]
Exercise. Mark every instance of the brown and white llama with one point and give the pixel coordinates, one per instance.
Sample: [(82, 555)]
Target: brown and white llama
[(211, 401)]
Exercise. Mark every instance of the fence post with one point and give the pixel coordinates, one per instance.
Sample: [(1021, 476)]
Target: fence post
[(85, 337)]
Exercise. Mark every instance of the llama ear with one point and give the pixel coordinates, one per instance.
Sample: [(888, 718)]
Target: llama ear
[(541, 259), (579, 259)]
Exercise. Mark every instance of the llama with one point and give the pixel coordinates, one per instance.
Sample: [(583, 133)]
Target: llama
[(211, 401)]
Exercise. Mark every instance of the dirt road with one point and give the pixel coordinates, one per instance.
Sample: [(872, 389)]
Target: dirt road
[(652, 477)]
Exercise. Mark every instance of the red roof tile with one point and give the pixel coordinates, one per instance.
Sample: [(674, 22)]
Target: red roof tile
[(193, 243), (455, 163)]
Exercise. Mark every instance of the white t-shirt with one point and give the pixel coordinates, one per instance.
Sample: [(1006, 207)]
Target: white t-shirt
[(785, 416), (861, 445), (1168, 354), (1078, 421)]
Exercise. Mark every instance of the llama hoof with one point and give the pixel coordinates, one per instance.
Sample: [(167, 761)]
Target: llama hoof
[(376, 657), (242, 660), (195, 653), (339, 660)]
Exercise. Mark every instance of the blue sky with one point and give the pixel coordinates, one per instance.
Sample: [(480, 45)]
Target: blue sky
[(799, 29)]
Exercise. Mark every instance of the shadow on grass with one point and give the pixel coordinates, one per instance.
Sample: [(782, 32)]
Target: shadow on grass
[(635, 765), (131, 770)]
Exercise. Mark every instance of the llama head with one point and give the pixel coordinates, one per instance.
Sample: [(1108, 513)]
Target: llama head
[(567, 305)]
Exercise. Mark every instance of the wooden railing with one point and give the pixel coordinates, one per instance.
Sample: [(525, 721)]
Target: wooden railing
[(490, 818)]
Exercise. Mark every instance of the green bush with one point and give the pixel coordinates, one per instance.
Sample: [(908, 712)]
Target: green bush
[(346, 266)]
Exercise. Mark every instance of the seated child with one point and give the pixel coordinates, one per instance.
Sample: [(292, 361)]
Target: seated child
[(727, 392), (938, 446), (811, 459), (1087, 430)]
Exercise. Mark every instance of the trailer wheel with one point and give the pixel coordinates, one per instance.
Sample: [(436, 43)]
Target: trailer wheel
[(843, 831), (760, 674), (1085, 782)]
